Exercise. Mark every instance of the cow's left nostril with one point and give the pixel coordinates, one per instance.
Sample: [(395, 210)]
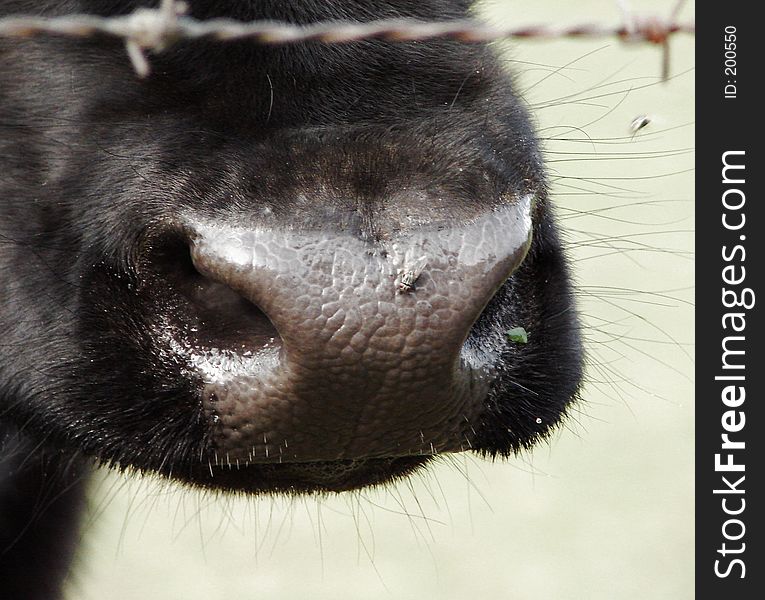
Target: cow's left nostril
[(209, 314)]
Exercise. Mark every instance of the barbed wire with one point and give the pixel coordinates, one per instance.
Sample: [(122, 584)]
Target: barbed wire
[(156, 29)]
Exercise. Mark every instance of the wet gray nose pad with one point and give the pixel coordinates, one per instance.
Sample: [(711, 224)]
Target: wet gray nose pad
[(370, 335)]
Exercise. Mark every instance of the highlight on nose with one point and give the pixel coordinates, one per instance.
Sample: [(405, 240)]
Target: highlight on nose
[(336, 347)]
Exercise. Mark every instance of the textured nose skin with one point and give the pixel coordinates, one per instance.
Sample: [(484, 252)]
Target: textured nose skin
[(369, 355)]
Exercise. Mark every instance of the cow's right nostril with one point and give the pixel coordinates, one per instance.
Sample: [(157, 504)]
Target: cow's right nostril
[(209, 314)]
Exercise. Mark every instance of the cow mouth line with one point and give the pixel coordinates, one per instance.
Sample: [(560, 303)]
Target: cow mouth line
[(309, 477)]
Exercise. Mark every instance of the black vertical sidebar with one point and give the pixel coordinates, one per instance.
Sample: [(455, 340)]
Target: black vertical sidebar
[(730, 266)]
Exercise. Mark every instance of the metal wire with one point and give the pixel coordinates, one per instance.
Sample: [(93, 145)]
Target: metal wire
[(156, 29)]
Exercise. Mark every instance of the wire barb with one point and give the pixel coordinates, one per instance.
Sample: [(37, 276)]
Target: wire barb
[(156, 29)]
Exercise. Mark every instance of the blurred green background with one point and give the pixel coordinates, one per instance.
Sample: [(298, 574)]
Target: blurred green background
[(605, 511)]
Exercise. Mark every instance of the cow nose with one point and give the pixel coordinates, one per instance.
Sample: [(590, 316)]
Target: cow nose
[(358, 350)]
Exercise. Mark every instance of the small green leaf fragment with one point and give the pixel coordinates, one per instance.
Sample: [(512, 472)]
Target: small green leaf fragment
[(518, 335)]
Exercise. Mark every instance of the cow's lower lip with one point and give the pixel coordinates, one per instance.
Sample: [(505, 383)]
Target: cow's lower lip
[(318, 476)]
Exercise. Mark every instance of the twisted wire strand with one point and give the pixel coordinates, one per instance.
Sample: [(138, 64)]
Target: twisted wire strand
[(156, 29)]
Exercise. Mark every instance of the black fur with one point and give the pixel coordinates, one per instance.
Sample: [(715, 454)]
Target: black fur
[(94, 163)]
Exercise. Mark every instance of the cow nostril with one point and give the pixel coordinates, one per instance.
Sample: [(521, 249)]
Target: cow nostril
[(210, 314)]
